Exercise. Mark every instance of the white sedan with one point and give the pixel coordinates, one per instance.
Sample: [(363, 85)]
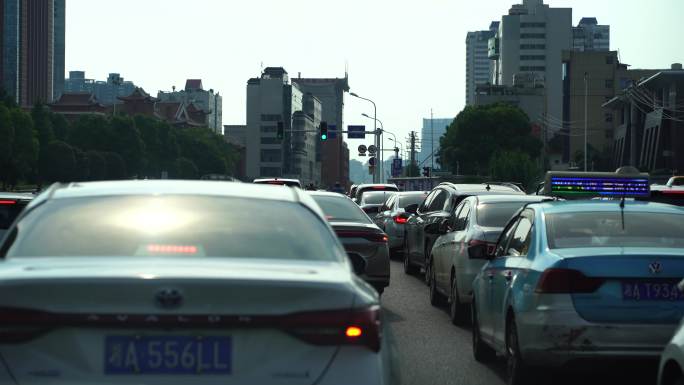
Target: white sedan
[(169, 282)]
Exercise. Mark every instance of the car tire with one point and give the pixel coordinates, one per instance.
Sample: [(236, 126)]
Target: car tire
[(457, 310), (409, 269), (482, 352), (436, 298), (518, 373)]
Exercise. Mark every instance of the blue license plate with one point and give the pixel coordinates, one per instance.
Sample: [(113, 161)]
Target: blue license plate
[(651, 291), (176, 355)]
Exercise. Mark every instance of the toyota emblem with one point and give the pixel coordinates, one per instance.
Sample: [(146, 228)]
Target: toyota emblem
[(655, 268), (169, 298)]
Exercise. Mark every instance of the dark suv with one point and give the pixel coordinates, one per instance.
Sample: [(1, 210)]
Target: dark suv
[(422, 228), (11, 205)]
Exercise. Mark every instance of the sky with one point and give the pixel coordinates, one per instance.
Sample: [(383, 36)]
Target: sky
[(407, 56)]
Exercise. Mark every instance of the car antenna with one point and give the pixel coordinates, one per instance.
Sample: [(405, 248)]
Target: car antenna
[(622, 211)]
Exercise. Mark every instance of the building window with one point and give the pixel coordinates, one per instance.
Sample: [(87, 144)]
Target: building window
[(609, 117), (532, 25), (532, 57), (270, 141), (532, 46), (609, 83), (533, 36), (271, 172), (270, 117), (267, 129), (271, 155), (532, 68)]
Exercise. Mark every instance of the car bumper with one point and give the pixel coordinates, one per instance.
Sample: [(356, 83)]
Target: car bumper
[(357, 365), (556, 336)]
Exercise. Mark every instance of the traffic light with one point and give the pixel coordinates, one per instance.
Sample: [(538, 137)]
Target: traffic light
[(426, 172), (281, 131), (324, 131)]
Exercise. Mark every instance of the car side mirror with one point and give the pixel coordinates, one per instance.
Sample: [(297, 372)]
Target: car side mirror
[(479, 252), (445, 226), (411, 209)]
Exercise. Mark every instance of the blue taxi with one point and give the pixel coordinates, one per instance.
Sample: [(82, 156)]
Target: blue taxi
[(574, 280)]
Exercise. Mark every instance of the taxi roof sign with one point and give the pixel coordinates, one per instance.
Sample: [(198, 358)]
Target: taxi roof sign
[(578, 185)]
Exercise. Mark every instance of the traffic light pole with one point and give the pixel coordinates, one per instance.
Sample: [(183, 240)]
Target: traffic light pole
[(376, 174)]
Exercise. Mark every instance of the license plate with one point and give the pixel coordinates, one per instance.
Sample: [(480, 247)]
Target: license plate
[(175, 355), (651, 291)]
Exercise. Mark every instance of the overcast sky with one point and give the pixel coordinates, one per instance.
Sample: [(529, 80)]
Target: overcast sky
[(408, 56)]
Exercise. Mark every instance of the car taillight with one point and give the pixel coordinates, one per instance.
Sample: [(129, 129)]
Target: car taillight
[(354, 327), (19, 325), (567, 281), (373, 237), (400, 219), (7, 202), (477, 242)]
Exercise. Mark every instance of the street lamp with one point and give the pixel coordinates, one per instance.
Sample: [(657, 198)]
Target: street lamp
[(376, 174)]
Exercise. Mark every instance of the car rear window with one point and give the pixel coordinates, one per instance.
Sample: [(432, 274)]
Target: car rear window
[(340, 209), (414, 199), (607, 229), (9, 210), (497, 214), (188, 226), (375, 197), (670, 197)]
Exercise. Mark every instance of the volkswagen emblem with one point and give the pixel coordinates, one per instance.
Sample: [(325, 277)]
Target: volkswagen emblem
[(655, 267), (169, 298)]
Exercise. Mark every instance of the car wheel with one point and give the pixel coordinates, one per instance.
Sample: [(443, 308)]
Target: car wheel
[(457, 311), (436, 298), (481, 351), (517, 370), (409, 269)]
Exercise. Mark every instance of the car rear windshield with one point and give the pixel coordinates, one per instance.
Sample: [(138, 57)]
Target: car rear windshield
[(375, 197), (497, 214), (413, 199), (174, 225), (340, 209), (672, 197), (9, 210), (607, 229)]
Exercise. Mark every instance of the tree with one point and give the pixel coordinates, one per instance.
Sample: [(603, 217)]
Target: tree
[(97, 165), (60, 127), (126, 142), (514, 166), (186, 169), (60, 162), (116, 166), (479, 132)]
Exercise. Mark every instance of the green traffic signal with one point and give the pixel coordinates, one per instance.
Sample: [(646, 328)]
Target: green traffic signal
[(324, 131)]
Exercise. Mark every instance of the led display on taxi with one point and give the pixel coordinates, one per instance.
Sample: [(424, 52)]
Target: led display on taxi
[(582, 185)]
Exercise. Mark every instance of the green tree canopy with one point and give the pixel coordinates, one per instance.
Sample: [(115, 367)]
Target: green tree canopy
[(479, 132), (59, 162), (514, 166)]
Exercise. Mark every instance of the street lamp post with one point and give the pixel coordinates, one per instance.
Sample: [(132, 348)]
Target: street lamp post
[(376, 174), (586, 112), (382, 145)]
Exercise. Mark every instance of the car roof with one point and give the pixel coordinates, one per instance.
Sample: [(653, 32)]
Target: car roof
[(494, 188), (376, 185), (408, 193), (606, 206), (327, 194), (16, 196), (494, 198)]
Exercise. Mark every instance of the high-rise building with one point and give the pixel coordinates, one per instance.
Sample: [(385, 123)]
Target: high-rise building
[(529, 42), (209, 101), (106, 92), (590, 36), (433, 130), (332, 154), (479, 69), (32, 52)]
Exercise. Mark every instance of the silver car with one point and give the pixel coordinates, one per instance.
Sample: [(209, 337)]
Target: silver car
[(170, 282), (364, 242), (477, 220), (393, 217)]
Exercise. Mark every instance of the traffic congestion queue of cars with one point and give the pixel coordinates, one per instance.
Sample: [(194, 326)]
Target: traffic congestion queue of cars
[(171, 282), (557, 278)]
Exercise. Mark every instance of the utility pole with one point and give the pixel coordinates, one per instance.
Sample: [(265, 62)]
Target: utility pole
[(432, 141), (586, 114), (412, 143)]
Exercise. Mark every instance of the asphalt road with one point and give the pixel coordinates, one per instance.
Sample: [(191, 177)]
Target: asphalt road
[(425, 348)]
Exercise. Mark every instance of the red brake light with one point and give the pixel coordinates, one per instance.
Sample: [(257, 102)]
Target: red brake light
[(171, 249), (567, 281), (400, 220), (7, 202), (672, 192), (383, 188)]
